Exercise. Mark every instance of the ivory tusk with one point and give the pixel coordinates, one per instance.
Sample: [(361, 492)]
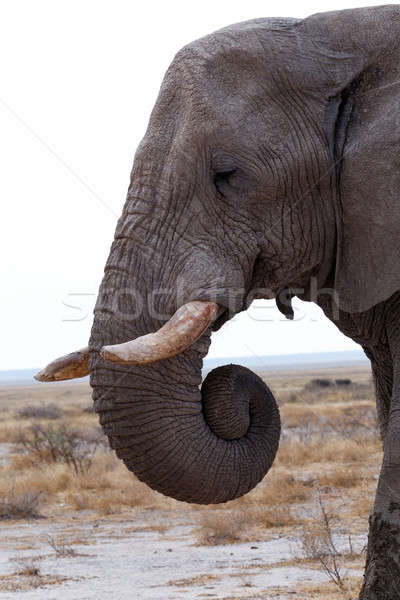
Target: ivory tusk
[(187, 324), (69, 366)]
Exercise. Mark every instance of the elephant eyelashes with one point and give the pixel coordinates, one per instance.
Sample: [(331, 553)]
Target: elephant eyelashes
[(222, 177)]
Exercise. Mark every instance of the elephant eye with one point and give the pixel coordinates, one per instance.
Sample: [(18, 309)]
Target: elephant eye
[(222, 177)]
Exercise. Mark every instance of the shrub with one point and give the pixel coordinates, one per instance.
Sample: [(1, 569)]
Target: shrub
[(283, 489), (22, 505), (42, 411), (268, 517), (222, 527), (60, 443), (60, 548), (318, 544)]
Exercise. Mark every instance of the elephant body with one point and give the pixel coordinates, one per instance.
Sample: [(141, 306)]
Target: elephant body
[(377, 330), (269, 169)]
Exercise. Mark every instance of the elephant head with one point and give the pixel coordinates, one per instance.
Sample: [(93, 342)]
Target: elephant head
[(246, 185)]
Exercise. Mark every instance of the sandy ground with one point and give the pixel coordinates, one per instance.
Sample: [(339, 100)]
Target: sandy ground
[(120, 560)]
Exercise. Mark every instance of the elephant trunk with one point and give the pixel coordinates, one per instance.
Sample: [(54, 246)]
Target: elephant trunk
[(203, 446)]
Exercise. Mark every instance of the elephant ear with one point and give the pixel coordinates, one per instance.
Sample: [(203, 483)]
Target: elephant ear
[(356, 54)]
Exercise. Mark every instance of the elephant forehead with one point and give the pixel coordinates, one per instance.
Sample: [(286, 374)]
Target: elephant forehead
[(217, 106), (228, 70), (228, 82)]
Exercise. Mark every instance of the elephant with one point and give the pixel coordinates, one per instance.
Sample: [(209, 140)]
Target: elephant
[(269, 169)]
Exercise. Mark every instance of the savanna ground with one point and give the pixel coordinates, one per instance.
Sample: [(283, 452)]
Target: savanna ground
[(76, 524)]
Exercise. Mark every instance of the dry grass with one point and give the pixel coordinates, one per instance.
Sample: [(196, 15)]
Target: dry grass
[(280, 488), (221, 526), (107, 487), (20, 505), (320, 591), (28, 576), (65, 461), (7, 431), (327, 433), (278, 517), (341, 477), (310, 393), (247, 521), (329, 443), (334, 450), (196, 580)]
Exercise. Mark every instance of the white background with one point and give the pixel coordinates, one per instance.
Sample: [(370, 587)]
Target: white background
[(78, 81)]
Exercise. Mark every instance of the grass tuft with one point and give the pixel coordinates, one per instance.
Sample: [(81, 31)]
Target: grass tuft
[(20, 505)]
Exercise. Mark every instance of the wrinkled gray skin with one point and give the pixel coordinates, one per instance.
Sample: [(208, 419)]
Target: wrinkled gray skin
[(271, 160)]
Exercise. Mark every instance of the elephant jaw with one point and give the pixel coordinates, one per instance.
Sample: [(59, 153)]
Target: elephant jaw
[(188, 323)]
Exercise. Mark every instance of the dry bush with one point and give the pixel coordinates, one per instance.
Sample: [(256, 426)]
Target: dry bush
[(61, 443), (218, 526), (318, 544), (282, 489), (278, 516), (340, 477), (60, 548), (107, 486), (20, 505), (228, 526), (42, 411)]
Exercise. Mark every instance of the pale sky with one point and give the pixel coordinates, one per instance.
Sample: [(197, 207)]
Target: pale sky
[(78, 82)]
